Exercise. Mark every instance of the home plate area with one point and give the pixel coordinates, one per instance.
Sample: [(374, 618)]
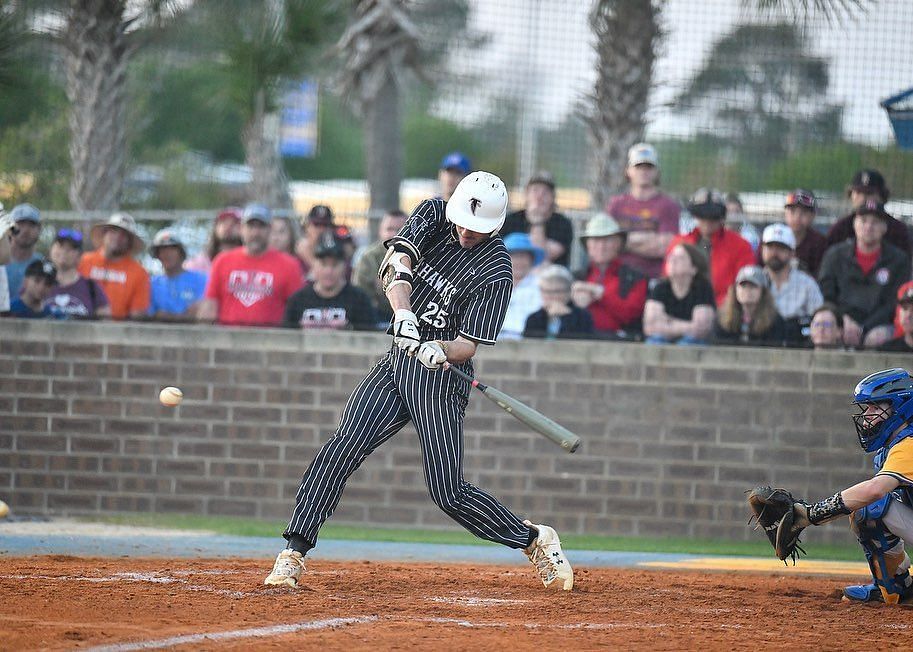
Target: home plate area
[(64, 602)]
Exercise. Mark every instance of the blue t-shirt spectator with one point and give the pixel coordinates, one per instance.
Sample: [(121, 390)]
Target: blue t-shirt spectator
[(175, 294), (19, 309)]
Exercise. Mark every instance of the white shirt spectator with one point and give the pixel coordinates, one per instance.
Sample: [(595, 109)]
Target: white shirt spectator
[(524, 301), (799, 297), (4, 291)]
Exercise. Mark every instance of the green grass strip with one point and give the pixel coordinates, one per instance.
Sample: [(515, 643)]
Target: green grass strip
[(258, 528)]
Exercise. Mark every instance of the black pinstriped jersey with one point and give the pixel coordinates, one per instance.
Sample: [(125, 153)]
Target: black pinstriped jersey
[(455, 291)]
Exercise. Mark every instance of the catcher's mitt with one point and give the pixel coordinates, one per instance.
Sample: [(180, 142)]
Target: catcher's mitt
[(774, 510)]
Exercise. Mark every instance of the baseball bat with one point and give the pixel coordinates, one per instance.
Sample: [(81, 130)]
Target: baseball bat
[(535, 420)]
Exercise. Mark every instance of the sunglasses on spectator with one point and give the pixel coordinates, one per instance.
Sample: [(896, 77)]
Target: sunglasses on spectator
[(69, 234), (824, 324)]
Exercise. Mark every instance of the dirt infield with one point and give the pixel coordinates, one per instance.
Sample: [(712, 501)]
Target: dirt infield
[(60, 602)]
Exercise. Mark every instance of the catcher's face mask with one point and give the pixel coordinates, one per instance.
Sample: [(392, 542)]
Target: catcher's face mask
[(870, 419)]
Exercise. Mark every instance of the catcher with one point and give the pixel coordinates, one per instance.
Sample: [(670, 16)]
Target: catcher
[(880, 509)]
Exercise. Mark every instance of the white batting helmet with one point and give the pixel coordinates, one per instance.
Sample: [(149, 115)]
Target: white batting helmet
[(479, 203)]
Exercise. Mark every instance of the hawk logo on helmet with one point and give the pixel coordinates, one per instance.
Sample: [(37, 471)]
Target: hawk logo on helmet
[(474, 204)]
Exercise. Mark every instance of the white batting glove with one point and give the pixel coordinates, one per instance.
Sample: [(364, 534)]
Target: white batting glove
[(431, 354), (405, 331)]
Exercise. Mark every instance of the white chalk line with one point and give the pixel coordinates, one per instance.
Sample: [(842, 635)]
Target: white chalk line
[(463, 601), (150, 578), (256, 632)]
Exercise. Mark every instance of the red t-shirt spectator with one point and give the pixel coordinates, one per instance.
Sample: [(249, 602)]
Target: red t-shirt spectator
[(253, 290), (729, 252), (622, 304), (659, 214)]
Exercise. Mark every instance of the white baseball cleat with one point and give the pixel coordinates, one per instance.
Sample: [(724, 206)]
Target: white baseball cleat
[(546, 555), (287, 569)]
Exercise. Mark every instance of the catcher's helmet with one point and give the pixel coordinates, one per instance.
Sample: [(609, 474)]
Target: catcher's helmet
[(891, 385), (479, 203)]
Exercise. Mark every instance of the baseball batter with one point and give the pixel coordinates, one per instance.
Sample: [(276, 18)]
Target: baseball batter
[(447, 276), (880, 509)]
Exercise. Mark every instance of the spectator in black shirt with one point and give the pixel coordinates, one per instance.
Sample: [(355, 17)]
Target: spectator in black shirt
[(558, 317), (330, 301), (748, 314), (547, 229), (680, 307)]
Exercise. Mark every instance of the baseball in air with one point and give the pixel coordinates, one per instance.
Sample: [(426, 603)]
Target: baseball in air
[(171, 396), (4, 509)]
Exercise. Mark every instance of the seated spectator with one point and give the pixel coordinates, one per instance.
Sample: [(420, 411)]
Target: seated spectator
[(7, 226), (558, 318), (40, 277), (901, 291), (225, 236), (27, 220), (549, 230), (648, 215), (904, 343), (748, 315), (250, 285), (826, 329), (735, 213), (613, 293), (283, 234), (124, 280), (330, 301), (727, 251), (525, 299), (799, 213), (796, 294), (365, 274), (862, 277), (319, 221), (680, 307), (74, 296), (869, 186), (177, 293), (454, 166)]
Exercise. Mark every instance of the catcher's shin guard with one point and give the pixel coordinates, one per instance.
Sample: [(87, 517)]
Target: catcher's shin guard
[(885, 554)]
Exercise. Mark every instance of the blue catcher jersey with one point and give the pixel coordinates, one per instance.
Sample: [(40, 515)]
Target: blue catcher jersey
[(455, 291)]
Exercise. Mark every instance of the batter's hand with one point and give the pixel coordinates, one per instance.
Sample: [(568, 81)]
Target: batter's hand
[(405, 331), (432, 354)]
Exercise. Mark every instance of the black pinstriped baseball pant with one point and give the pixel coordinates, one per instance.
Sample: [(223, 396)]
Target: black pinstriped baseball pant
[(398, 388)]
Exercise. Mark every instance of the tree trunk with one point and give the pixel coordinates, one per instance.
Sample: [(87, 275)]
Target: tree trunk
[(269, 185), (627, 34), (96, 63), (383, 148)]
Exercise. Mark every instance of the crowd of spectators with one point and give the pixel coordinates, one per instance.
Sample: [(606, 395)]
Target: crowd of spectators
[(644, 278)]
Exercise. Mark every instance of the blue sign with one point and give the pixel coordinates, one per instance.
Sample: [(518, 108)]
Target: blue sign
[(298, 126)]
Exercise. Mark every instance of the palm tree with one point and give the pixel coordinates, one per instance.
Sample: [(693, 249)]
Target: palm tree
[(627, 35), (378, 48)]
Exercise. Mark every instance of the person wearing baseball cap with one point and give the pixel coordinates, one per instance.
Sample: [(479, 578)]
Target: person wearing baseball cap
[(225, 235), (318, 222), (862, 276), (454, 166), (525, 298), (330, 301), (25, 231), (74, 296), (649, 215), (548, 229), (726, 250), (250, 285), (613, 293), (748, 314), (869, 186), (795, 293), (177, 292), (40, 276), (903, 341), (799, 212), (112, 265)]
